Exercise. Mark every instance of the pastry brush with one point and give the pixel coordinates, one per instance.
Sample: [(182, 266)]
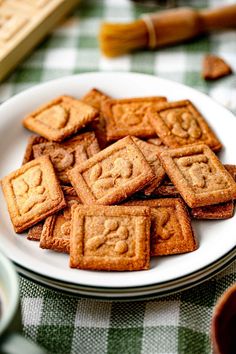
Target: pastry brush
[(164, 28)]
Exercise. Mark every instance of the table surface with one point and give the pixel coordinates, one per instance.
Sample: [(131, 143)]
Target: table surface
[(175, 324)]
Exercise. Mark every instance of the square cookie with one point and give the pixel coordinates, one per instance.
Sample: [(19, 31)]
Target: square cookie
[(60, 118), (110, 238), (128, 117), (56, 229), (35, 232), (68, 154), (150, 152), (214, 212), (179, 123), (32, 141), (198, 175), (32, 193), (171, 230), (111, 175), (95, 98)]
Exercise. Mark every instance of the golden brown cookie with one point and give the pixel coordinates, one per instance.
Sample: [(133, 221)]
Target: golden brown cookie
[(32, 193), (128, 117), (68, 154), (110, 238), (32, 141), (56, 229), (214, 67), (95, 98), (179, 123), (150, 152), (111, 175), (216, 212), (198, 175), (60, 118), (35, 232), (171, 230)]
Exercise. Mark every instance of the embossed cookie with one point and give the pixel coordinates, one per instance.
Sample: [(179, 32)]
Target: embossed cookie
[(214, 212), (179, 123), (128, 117), (32, 141), (112, 175), (110, 238), (198, 175), (166, 189), (95, 98), (171, 230), (56, 229), (150, 152), (32, 193), (70, 153), (60, 118), (35, 232)]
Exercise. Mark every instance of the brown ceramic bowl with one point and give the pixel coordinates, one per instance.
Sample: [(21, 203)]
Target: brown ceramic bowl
[(223, 327)]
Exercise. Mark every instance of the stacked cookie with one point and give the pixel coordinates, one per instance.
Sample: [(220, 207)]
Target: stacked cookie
[(154, 158)]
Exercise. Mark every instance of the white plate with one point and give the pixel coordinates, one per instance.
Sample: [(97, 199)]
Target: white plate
[(216, 238)]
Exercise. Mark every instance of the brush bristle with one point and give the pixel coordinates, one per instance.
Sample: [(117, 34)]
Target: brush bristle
[(117, 39)]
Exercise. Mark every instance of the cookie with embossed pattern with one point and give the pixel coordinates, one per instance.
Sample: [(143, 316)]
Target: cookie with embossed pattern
[(68, 154), (110, 238), (171, 230), (32, 141), (214, 212), (112, 175), (35, 232), (56, 229), (180, 123), (32, 193), (60, 118), (150, 152), (95, 98), (128, 117), (198, 175)]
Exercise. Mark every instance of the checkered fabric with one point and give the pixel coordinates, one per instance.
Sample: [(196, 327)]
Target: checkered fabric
[(175, 324)]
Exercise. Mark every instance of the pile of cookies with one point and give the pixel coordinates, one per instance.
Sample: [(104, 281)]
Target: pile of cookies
[(154, 158)]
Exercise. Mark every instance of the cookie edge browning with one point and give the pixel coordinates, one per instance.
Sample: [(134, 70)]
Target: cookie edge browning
[(84, 191), (79, 212), (164, 132), (20, 223), (183, 217), (113, 132), (57, 135), (46, 241), (219, 211), (191, 198)]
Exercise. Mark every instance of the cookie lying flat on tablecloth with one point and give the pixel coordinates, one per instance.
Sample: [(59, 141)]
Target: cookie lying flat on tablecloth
[(112, 175), (32, 193), (180, 123), (60, 118), (110, 238)]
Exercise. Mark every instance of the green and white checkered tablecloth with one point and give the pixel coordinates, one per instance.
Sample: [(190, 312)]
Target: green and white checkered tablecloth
[(174, 324)]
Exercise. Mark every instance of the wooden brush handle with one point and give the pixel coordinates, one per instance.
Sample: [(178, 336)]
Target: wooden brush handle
[(178, 25), (219, 18)]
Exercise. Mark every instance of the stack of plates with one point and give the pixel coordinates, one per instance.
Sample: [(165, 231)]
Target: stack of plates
[(217, 241)]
